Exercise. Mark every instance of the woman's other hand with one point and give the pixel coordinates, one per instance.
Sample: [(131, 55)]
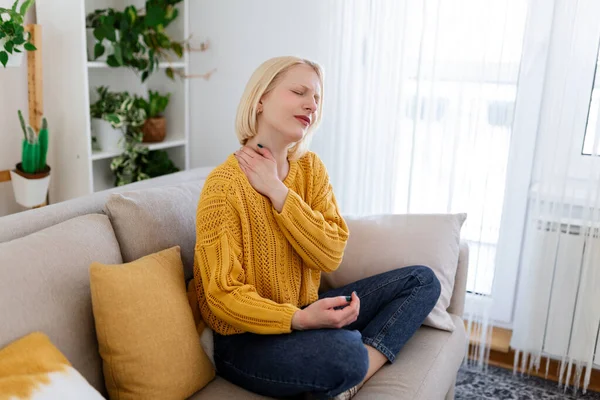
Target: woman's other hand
[(322, 313)]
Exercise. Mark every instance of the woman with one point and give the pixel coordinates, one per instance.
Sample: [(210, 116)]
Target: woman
[(268, 225)]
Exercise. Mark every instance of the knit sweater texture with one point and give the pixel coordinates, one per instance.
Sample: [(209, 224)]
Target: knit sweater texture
[(255, 267)]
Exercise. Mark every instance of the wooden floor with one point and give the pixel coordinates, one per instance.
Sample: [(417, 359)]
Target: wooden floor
[(501, 355), (500, 340)]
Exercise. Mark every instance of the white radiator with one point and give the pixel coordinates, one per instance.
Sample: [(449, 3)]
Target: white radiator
[(569, 302)]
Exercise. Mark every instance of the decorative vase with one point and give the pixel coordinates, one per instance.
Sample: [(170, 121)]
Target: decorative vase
[(107, 137), (154, 130), (30, 190), (14, 59)]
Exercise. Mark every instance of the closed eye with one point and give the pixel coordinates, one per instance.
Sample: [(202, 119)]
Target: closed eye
[(317, 98)]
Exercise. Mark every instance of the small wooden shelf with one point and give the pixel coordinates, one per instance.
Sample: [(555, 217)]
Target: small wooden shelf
[(101, 155), (102, 64)]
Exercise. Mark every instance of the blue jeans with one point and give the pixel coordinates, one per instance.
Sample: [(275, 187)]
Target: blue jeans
[(326, 362)]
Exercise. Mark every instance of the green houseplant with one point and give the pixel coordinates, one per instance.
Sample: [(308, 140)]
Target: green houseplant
[(115, 117), (138, 163), (31, 177), (126, 114), (155, 127), (13, 38), (136, 39)]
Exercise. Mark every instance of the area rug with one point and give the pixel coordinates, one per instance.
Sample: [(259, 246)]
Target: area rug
[(499, 383)]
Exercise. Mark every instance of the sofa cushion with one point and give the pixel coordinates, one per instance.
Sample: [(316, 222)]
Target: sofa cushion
[(425, 369), (146, 331), (220, 388), (33, 368), (44, 286), (381, 243), (150, 220)]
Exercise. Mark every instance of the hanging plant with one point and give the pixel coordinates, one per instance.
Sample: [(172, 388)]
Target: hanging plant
[(13, 38), (137, 37)]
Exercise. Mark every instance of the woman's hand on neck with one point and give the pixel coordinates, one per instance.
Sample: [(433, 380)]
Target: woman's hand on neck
[(278, 150)]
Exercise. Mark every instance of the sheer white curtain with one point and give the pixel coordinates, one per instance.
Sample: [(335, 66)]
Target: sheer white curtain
[(419, 107), (557, 310)]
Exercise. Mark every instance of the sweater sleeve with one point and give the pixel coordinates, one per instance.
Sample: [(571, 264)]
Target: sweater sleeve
[(317, 231), (219, 254)]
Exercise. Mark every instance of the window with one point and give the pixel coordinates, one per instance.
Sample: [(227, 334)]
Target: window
[(591, 127)]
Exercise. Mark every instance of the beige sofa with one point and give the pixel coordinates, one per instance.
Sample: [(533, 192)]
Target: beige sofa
[(44, 283)]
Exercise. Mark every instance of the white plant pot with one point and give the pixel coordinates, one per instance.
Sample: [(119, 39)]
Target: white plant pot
[(29, 192), (91, 43), (107, 137), (14, 59)]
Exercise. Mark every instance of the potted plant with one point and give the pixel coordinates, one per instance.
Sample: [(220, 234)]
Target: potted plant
[(31, 177), (113, 116), (136, 39), (155, 127), (13, 38), (99, 48), (138, 163)]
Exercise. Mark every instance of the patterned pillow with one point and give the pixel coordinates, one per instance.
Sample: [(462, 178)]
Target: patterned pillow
[(33, 368)]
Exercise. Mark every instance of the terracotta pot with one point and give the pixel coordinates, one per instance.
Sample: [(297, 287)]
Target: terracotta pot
[(154, 129)]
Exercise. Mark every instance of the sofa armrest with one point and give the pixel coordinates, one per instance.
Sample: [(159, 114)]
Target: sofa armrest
[(457, 302)]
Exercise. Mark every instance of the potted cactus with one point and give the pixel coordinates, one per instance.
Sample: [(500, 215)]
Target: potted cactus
[(155, 127), (31, 177)]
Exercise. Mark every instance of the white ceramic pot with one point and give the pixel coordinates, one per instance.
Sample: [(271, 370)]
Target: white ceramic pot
[(29, 192), (91, 43), (14, 59), (107, 137)]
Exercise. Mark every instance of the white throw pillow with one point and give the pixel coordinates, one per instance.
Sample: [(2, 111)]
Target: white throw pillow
[(381, 243), (33, 368)]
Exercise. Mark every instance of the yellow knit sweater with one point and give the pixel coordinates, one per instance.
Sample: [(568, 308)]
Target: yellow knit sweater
[(254, 267)]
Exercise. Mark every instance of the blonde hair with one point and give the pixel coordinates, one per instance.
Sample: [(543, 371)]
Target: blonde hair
[(263, 81)]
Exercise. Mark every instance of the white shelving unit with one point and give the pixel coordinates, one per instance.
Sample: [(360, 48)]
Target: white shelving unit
[(174, 65), (70, 87)]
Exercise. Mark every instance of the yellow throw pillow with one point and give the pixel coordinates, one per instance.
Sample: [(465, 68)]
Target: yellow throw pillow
[(32, 367), (146, 331)]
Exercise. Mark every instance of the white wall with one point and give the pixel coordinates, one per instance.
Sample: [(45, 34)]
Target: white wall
[(242, 35), (13, 96)]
